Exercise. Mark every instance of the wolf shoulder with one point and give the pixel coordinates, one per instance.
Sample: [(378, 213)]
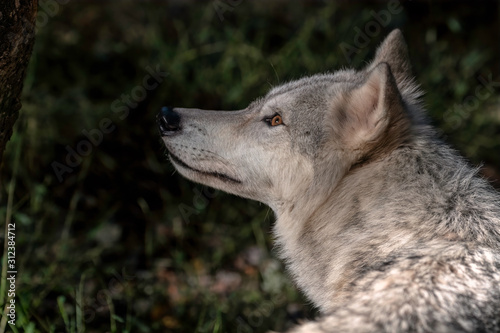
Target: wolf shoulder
[(437, 288)]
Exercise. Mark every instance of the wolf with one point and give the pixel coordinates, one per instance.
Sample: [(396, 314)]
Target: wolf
[(384, 227)]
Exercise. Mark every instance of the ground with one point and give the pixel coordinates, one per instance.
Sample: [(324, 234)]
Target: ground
[(108, 237)]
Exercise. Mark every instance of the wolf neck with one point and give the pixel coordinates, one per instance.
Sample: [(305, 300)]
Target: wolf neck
[(325, 240)]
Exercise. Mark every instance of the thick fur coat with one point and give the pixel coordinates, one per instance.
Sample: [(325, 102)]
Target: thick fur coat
[(382, 225)]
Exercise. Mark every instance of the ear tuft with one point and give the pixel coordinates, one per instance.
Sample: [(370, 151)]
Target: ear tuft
[(394, 52), (372, 106)]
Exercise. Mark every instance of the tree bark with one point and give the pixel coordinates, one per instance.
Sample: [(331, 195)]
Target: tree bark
[(17, 35)]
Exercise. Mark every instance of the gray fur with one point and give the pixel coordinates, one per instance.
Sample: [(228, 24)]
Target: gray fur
[(383, 226)]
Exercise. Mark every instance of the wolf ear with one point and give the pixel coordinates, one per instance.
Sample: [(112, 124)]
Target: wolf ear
[(373, 108), (394, 52)]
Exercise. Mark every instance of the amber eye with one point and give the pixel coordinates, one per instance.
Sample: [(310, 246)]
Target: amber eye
[(276, 120)]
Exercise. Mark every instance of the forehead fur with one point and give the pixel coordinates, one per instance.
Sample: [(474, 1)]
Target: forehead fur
[(346, 75)]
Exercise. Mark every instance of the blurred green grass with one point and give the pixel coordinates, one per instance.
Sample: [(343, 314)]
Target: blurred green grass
[(110, 248)]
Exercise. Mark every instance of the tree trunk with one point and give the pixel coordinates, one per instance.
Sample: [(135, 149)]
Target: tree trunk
[(17, 32)]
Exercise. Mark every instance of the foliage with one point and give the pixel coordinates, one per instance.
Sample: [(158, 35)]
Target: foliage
[(123, 244)]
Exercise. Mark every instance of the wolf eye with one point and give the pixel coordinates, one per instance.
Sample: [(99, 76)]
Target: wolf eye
[(275, 120)]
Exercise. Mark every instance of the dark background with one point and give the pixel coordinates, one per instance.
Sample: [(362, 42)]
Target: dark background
[(120, 242)]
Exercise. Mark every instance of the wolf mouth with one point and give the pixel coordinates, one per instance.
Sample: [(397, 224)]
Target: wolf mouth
[(218, 175)]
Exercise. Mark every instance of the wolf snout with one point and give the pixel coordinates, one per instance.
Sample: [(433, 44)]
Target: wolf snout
[(168, 121)]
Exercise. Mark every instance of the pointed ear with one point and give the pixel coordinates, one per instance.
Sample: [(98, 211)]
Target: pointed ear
[(394, 52), (374, 109)]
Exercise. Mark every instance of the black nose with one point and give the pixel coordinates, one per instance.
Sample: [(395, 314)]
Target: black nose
[(168, 121)]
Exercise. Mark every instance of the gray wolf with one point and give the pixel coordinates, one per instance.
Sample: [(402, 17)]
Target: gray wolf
[(382, 225)]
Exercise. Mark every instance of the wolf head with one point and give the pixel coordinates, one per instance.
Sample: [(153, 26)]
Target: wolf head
[(281, 145)]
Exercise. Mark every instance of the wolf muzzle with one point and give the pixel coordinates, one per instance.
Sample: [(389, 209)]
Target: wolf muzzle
[(168, 121)]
